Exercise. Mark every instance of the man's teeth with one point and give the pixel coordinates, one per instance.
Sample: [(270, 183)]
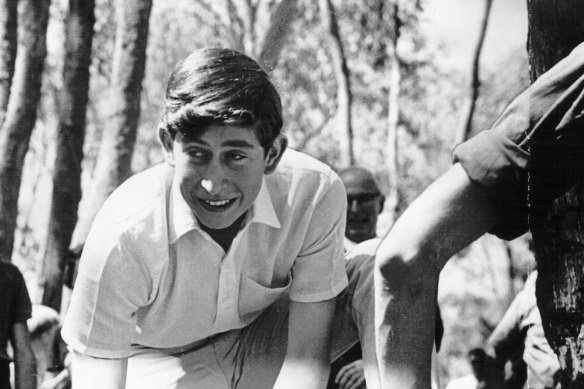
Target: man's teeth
[(219, 203)]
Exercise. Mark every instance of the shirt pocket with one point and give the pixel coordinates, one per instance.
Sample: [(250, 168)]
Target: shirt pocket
[(255, 297)]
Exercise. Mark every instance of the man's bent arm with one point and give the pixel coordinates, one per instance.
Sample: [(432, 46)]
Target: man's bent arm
[(97, 373), (307, 361), (446, 217), (25, 363)]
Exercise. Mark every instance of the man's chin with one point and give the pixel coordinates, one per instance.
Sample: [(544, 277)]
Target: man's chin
[(216, 221), (358, 236)]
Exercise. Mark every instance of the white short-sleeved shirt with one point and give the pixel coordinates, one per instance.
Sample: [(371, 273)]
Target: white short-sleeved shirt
[(150, 276)]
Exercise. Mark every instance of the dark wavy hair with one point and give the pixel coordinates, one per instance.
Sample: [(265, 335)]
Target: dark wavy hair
[(221, 86)]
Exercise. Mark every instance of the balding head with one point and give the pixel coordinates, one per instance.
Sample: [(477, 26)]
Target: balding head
[(364, 203), (358, 180)]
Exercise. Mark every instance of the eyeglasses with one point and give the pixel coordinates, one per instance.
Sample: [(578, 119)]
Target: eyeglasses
[(362, 198)]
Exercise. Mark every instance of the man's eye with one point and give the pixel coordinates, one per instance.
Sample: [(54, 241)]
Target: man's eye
[(362, 198), (197, 154), (236, 157)]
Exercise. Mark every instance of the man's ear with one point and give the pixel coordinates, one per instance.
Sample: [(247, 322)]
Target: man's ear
[(275, 153), (167, 143)]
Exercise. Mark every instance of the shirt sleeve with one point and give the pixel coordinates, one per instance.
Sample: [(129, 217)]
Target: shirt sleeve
[(112, 284), (547, 116), (21, 305), (319, 270)]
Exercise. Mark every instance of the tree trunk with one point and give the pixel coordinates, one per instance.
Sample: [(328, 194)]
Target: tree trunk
[(119, 137), (8, 17), (277, 33), (555, 28), (475, 83), (70, 136), (343, 77), (393, 113), (20, 117)]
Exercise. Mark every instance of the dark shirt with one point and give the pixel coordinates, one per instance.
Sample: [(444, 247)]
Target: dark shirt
[(548, 117), (15, 303)]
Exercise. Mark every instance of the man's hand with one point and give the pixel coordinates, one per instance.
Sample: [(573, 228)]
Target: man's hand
[(351, 376)]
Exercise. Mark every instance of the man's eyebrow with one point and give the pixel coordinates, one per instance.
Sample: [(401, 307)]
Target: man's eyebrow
[(238, 143), (192, 139)]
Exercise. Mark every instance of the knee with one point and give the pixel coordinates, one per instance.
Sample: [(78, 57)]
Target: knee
[(397, 269)]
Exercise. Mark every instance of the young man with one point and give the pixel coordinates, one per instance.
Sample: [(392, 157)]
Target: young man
[(484, 191), (222, 268), (15, 309)]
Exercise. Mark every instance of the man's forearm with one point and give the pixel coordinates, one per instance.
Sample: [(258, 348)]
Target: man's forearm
[(307, 361), (25, 370), (303, 373), (24, 359)]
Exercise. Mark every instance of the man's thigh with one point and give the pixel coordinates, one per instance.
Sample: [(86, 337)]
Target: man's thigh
[(156, 369)]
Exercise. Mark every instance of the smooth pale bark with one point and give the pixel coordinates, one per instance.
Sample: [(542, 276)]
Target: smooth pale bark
[(8, 17), (475, 82), (393, 116), (278, 30), (555, 28), (119, 133), (70, 135), (343, 78), (21, 115)]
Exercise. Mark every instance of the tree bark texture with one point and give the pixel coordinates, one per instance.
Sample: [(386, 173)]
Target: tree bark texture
[(277, 32), (343, 78), (475, 82), (557, 222), (393, 116), (21, 115), (119, 134), (8, 17), (70, 137)]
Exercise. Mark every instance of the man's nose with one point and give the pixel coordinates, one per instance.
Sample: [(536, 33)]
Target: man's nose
[(214, 179), (354, 205)]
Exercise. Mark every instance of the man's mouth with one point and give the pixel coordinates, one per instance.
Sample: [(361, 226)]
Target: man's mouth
[(358, 219), (216, 205)]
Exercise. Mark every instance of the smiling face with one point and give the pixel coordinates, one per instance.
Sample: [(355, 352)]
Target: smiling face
[(364, 204), (220, 172)]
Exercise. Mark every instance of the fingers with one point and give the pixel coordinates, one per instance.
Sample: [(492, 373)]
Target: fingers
[(351, 376)]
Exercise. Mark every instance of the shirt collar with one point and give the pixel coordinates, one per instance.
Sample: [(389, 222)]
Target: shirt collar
[(182, 219), (262, 210)]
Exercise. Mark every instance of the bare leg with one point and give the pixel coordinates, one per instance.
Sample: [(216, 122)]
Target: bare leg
[(448, 216)]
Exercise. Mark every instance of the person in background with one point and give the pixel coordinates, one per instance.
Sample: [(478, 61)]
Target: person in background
[(364, 204), (15, 309), (224, 267), (484, 191), (49, 349), (520, 330), (484, 375)]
